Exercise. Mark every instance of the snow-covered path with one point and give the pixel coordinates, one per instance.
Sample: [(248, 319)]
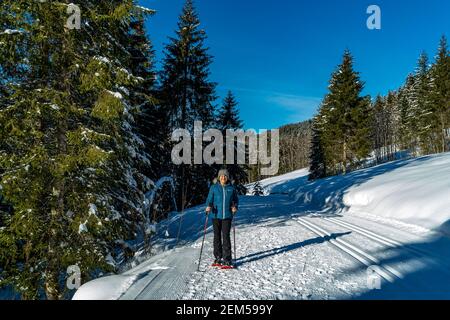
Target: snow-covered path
[(278, 257), (319, 240), (168, 280)]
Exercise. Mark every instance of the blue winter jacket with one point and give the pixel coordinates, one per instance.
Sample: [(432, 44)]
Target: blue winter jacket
[(221, 199)]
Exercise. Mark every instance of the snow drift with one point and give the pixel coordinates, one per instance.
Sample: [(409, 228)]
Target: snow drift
[(414, 191)]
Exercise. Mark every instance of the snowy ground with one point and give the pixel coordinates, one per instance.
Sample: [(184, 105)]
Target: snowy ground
[(318, 240)]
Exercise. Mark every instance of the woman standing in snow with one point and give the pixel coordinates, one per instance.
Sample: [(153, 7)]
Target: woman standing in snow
[(223, 202)]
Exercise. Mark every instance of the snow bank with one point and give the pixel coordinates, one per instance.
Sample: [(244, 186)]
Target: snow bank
[(414, 191), (418, 193), (114, 286), (107, 288)]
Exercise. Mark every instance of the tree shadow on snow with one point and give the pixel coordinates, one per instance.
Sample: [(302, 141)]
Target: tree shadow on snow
[(425, 267), (327, 195), (276, 251)]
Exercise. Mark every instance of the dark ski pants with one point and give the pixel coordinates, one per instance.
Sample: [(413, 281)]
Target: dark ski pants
[(222, 239)]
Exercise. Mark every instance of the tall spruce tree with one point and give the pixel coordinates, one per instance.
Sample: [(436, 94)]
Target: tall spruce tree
[(346, 129), (440, 95), (228, 119), (317, 167), (424, 112), (151, 120), (68, 152), (187, 94)]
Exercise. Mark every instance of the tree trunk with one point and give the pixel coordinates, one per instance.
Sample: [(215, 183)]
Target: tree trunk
[(344, 158), (51, 286), (443, 131)]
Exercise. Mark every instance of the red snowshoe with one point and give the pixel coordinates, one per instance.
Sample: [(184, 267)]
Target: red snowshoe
[(227, 266), (217, 263)]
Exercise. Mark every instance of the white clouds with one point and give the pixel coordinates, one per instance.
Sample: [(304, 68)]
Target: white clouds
[(299, 107), (294, 108)]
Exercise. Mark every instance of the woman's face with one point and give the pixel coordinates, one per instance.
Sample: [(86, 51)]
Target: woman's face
[(223, 179)]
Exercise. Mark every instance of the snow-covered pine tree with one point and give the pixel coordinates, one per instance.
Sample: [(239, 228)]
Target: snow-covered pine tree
[(188, 95), (68, 150), (228, 119), (346, 133), (150, 121), (440, 95), (152, 127)]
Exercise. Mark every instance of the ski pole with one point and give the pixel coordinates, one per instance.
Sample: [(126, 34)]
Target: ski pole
[(203, 241), (233, 205), (234, 240)]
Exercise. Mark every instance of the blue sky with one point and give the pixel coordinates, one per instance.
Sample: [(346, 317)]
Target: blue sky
[(277, 55)]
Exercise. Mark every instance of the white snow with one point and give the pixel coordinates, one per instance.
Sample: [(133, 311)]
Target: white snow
[(82, 227), (110, 260), (144, 9), (10, 31), (129, 75), (113, 287), (117, 95), (125, 90), (92, 209), (107, 288), (102, 59), (151, 229)]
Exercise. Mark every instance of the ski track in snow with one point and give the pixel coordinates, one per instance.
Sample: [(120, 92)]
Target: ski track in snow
[(270, 269)]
